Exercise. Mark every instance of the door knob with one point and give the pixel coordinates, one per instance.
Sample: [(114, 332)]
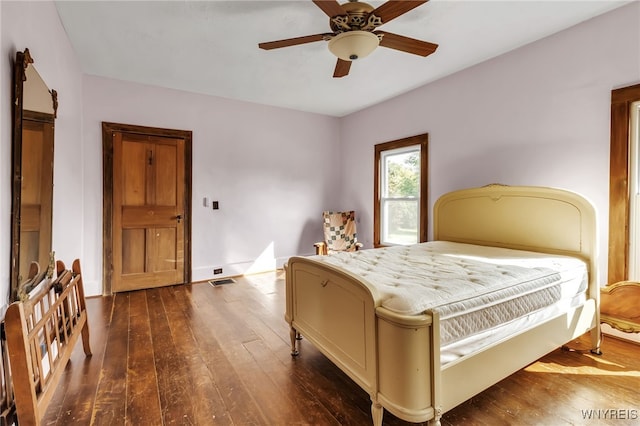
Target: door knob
[(179, 218)]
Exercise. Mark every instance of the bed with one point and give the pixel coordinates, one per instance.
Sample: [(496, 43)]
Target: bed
[(402, 349)]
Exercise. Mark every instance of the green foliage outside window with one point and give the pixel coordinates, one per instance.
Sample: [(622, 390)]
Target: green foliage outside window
[(403, 178), (403, 181)]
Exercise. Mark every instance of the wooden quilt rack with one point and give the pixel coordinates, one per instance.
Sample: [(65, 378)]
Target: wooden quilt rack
[(41, 330)]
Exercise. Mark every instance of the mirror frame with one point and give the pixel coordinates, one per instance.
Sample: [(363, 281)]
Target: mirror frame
[(23, 60), (619, 298)]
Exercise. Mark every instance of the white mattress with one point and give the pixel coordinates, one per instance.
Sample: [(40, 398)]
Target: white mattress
[(481, 340), (474, 288)]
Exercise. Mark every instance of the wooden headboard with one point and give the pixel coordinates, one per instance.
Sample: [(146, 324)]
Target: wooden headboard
[(531, 218)]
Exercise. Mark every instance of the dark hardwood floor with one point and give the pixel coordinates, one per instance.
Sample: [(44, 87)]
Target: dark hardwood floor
[(203, 355)]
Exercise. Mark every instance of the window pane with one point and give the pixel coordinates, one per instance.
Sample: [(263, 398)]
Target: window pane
[(402, 174), (400, 221)]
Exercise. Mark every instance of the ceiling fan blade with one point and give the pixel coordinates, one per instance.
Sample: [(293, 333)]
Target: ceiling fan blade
[(331, 7), (342, 68), (406, 44), (291, 41), (394, 8)]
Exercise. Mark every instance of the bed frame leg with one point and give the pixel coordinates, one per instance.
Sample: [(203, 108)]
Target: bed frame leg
[(436, 420), (377, 412), (293, 335), (596, 338)]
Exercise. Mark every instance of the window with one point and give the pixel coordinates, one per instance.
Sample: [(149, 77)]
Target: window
[(401, 205)]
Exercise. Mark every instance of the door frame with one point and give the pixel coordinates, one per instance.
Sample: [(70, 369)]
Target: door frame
[(107, 193), (619, 175)]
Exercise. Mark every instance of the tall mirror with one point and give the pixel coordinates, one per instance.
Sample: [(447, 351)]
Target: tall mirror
[(34, 113)]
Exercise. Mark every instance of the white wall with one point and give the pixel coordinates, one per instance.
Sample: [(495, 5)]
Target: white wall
[(272, 170), (36, 26), (538, 115)]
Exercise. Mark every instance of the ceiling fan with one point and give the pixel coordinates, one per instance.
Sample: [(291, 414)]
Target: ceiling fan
[(354, 31)]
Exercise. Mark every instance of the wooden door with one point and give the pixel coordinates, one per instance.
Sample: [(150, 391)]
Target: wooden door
[(149, 211)]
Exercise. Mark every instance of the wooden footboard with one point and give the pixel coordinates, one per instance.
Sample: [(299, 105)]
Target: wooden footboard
[(336, 313), (41, 333)]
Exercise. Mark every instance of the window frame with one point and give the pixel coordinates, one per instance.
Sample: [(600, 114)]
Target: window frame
[(634, 192), (423, 203)]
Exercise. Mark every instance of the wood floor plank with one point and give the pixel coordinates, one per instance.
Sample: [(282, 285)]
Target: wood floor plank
[(220, 355), (286, 383), (193, 388), (143, 402), (73, 400), (111, 404), (173, 387), (267, 322), (341, 397), (235, 333), (209, 406), (241, 407), (561, 386)]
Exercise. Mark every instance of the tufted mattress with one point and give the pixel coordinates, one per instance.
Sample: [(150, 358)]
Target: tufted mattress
[(475, 289)]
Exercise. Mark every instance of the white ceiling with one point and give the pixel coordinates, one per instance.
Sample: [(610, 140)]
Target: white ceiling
[(211, 47)]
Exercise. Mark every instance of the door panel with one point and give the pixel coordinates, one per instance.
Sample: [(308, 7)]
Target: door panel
[(148, 211), (163, 256), (133, 250), (133, 174), (165, 191)]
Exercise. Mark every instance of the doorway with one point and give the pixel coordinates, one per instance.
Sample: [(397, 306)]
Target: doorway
[(147, 207)]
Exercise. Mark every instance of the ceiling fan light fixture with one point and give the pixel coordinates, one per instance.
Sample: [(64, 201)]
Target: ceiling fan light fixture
[(352, 45)]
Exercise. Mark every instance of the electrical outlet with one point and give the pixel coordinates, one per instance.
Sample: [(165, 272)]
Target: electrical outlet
[(217, 271), (214, 205)]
